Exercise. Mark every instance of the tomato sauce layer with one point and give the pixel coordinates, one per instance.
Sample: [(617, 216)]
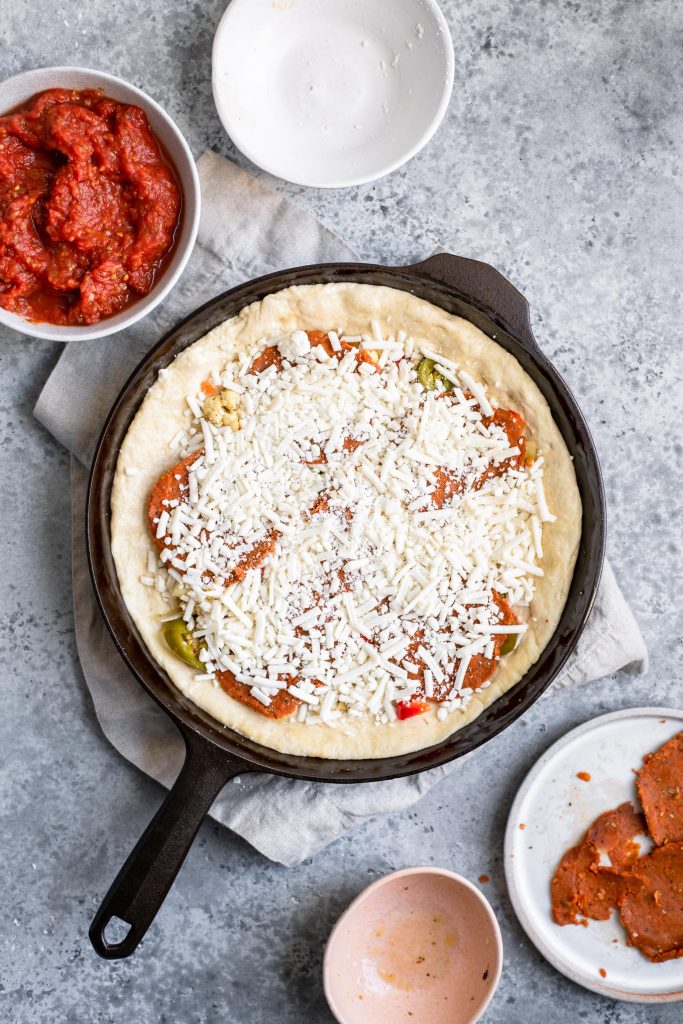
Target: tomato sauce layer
[(88, 207)]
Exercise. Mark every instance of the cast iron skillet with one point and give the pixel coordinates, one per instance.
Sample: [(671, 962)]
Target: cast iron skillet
[(216, 754)]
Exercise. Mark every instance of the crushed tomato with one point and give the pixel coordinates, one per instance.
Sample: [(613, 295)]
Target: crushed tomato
[(89, 207)]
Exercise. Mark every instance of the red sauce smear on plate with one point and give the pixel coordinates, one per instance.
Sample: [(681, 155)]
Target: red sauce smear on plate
[(89, 207)]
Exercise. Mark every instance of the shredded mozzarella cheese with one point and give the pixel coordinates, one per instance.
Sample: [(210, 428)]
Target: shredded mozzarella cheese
[(367, 578)]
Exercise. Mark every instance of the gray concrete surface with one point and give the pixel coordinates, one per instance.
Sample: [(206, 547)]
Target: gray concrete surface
[(559, 162)]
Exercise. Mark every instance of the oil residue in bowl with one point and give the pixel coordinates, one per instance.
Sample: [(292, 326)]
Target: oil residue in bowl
[(410, 951), (419, 947)]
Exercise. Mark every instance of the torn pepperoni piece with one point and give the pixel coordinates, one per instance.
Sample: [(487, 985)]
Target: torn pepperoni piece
[(613, 836), (321, 504), (269, 357), (318, 339), (254, 558), (660, 788), (579, 888), (448, 484), (350, 445), (322, 340), (581, 885), (651, 903)]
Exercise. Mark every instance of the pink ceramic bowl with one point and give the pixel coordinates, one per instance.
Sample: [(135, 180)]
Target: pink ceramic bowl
[(420, 946)]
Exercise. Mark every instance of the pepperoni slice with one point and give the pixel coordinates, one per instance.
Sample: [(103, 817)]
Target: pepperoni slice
[(580, 885), (282, 704), (514, 426), (172, 486), (613, 836), (479, 670), (350, 445), (660, 788), (449, 483), (578, 888), (651, 904)]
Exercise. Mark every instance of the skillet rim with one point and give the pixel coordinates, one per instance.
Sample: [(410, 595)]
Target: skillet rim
[(429, 281)]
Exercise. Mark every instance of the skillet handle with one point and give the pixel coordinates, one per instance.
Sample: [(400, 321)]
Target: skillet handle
[(143, 882), (487, 286)]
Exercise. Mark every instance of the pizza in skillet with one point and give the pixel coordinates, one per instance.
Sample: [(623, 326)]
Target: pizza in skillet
[(345, 522)]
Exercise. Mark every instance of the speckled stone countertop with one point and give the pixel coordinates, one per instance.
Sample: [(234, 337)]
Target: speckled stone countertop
[(559, 162)]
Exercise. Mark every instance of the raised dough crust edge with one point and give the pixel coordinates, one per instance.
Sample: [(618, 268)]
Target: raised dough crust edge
[(329, 307)]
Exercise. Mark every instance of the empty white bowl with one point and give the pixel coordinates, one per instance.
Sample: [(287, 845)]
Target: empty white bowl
[(17, 90), (331, 93), (419, 945)]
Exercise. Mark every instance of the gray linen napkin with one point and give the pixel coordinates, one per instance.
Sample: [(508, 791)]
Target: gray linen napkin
[(246, 230)]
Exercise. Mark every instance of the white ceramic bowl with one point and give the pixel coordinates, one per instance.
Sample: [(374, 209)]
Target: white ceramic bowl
[(19, 89), (420, 944), (331, 93)]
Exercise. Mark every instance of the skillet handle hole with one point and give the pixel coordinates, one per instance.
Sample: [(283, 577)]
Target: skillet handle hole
[(116, 931), (112, 936)]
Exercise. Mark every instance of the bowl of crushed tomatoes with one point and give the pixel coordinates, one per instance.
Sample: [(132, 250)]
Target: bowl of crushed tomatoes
[(99, 203)]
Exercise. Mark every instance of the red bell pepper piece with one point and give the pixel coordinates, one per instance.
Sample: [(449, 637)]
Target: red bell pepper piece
[(410, 708)]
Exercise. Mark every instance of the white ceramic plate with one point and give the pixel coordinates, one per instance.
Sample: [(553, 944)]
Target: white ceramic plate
[(331, 93), (556, 808)]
